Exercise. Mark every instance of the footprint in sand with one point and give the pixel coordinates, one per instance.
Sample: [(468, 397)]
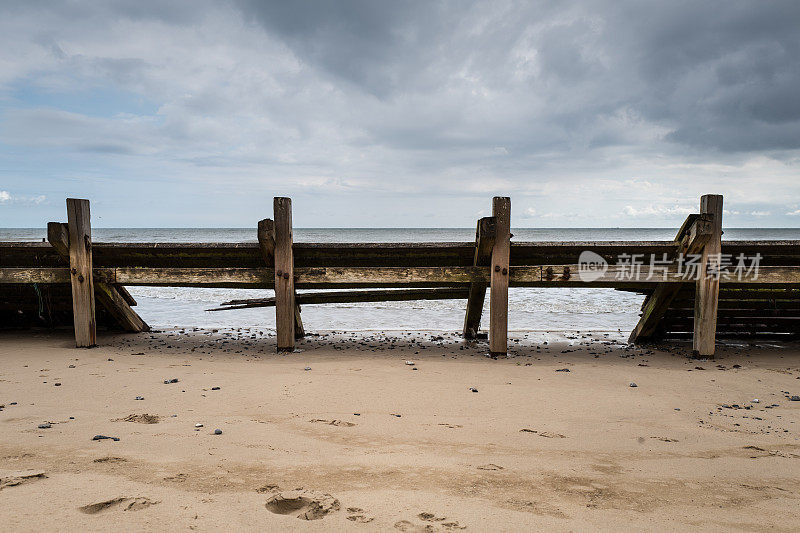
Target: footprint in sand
[(435, 523), (12, 479), (140, 419), (303, 504), (545, 434), (110, 459), (334, 422), (356, 514), (128, 504)]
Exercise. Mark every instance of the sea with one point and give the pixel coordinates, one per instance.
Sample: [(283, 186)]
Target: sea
[(565, 310)]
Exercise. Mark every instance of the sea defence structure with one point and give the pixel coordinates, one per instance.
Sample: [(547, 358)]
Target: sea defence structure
[(696, 286)]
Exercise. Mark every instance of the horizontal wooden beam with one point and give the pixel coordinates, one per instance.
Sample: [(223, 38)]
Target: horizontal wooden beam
[(309, 277), (335, 297)]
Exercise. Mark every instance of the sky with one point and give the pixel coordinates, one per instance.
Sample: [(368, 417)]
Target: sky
[(196, 113)]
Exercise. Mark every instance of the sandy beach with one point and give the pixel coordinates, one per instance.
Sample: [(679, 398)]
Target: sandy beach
[(347, 432)]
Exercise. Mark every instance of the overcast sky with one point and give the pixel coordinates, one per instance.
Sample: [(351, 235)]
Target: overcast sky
[(387, 114)]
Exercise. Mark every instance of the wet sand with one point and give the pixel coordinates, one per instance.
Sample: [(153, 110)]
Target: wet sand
[(346, 433)]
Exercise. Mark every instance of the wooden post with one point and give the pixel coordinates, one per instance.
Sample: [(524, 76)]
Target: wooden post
[(498, 298), (266, 241), (114, 298), (80, 265), (284, 274), (484, 242), (707, 287)]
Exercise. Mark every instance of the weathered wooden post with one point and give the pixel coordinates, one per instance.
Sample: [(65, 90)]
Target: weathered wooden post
[(498, 298), (266, 242), (706, 296), (284, 274), (80, 267), (484, 242)]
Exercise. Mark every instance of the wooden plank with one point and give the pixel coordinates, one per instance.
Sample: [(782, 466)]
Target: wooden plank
[(348, 277), (113, 301), (34, 275), (691, 238), (126, 295), (284, 275), (266, 241), (500, 270), (333, 297), (80, 263), (484, 243), (109, 296), (707, 287)]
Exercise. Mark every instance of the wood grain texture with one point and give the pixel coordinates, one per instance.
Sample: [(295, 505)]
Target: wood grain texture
[(707, 287), (80, 264), (500, 273), (284, 275)]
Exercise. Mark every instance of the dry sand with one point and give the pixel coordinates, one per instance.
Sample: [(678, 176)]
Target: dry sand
[(363, 441)]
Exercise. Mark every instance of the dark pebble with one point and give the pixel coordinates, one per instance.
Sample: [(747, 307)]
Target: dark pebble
[(45, 426), (632, 384), (473, 389), (217, 432), (214, 388), (103, 437), (562, 370), (795, 398)]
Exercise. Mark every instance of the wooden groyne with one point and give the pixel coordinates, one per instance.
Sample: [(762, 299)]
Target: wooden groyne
[(697, 285)]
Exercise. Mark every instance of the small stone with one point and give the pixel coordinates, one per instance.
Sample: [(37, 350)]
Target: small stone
[(57, 384), (198, 425), (71, 366), (217, 432), (104, 437), (110, 359), (632, 384), (46, 425), (410, 363), (473, 389), (214, 388), (795, 398), (755, 400), (139, 398), (307, 368), (562, 370), (168, 381)]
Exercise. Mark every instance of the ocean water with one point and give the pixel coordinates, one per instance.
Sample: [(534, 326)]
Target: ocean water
[(552, 309)]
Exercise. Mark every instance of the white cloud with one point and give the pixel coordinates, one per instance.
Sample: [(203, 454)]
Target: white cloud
[(5, 196), (432, 108), (656, 210)]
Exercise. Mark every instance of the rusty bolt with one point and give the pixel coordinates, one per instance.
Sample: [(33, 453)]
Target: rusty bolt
[(279, 273), (566, 273), (505, 271), (497, 268), (87, 242), (285, 275), (549, 273), (74, 270), (80, 278)]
